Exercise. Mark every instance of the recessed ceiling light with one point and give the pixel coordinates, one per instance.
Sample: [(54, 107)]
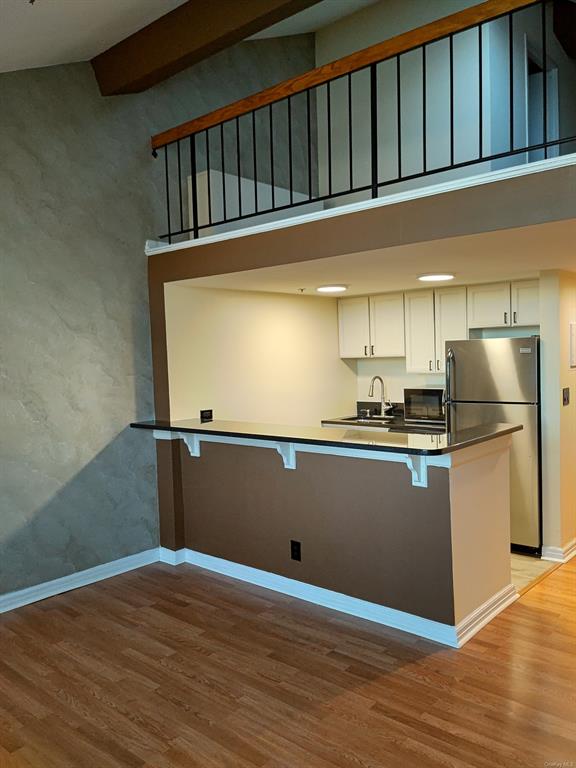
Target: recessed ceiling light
[(436, 277), (332, 288)]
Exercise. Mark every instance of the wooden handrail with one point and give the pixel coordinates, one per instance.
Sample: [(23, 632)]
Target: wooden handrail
[(456, 22)]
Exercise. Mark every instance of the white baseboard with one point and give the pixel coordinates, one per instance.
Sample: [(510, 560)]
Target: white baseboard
[(446, 634), (38, 592), (171, 556), (407, 622), (474, 622), (560, 554)]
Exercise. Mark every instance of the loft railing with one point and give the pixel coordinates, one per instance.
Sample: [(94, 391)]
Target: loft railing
[(485, 88)]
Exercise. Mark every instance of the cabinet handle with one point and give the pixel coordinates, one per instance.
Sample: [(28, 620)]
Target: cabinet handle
[(372, 349), (515, 318), (366, 350), (430, 365), (437, 365), (505, 318)]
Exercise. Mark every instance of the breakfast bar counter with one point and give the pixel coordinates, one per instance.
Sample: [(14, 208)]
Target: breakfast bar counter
[(424, 550)]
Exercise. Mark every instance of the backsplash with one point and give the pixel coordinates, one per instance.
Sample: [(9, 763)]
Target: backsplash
[(393, 371)]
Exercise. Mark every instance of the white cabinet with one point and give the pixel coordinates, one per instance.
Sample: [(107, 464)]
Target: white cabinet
[(489, 305), (387, 325), (432, 319), (450, 318), (419, 324), (372, 327), (526, 302), (500, 305), (354, 327)]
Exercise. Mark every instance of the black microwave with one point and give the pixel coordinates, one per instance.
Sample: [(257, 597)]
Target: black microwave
[(424, 406)]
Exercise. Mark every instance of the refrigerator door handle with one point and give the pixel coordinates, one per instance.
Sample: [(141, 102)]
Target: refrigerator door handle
[(450, 359)]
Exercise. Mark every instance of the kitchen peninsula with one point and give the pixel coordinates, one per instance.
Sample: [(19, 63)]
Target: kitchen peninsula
[(407, 529)]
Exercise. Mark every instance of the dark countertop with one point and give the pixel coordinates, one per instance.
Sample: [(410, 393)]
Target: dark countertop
[(371, 439)]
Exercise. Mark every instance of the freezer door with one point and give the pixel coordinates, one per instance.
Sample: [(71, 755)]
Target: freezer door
[(495, 370), (524, 462)]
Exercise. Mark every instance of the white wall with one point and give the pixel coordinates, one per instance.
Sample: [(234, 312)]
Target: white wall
[(558, 310), (393, 371), (372, 25), (251, 356), (392, 17)]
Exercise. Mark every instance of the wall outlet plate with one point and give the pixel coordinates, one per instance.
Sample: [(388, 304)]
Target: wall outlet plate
[(566, 396)]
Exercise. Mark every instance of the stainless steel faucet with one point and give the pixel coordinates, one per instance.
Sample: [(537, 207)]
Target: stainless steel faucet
[(385, 404)]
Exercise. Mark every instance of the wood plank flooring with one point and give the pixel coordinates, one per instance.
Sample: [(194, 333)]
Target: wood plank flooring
[(177, 668)]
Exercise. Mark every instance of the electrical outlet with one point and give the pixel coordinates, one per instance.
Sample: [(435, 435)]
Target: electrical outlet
[(566, 396), (295, 550)]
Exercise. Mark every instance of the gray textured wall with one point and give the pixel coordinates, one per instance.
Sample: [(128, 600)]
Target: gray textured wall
[(78, 197)]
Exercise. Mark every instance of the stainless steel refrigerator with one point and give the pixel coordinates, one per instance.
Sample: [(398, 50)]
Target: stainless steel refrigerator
[(496, 380)]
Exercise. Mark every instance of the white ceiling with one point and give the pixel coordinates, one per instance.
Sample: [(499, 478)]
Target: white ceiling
[(313, 18), (61, 31), (506, 254)]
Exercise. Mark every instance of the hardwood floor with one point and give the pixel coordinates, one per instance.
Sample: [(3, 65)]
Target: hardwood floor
[(176, 668)]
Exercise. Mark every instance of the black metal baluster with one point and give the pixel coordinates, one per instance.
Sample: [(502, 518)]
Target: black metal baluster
[(424, 131), (511, 75), (399, 116), (255, 163), (350, 142), (208, 179), (329, 117), (290, 173), (309, 145), (544, 81), (480, 95), (374, 128), (167, 181), (194, 183), (451, 43), (180, 186), (272, 157), (238, 167), (224, 211)]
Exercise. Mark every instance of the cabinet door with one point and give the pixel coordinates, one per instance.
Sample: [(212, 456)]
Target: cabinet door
[(354, 327), (451, 325), (526, 302), (387, 325), (489, 305), (419, 322)]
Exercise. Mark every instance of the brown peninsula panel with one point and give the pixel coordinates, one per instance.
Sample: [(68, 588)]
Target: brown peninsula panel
[(365, 530)]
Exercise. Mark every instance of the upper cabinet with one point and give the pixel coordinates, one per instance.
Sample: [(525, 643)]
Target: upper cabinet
[(372, 327), (387, 325), (450, 311), (526, 302), (419, 323), (433, 318), (489, 305), (354, 327), (500, 305)]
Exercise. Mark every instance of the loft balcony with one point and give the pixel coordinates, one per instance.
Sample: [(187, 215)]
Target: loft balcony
[(484, 91)]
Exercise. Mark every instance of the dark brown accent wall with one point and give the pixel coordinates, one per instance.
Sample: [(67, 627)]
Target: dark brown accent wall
[(365, 530)]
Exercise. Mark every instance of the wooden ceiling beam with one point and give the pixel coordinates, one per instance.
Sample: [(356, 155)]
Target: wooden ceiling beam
[(188, 34)]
